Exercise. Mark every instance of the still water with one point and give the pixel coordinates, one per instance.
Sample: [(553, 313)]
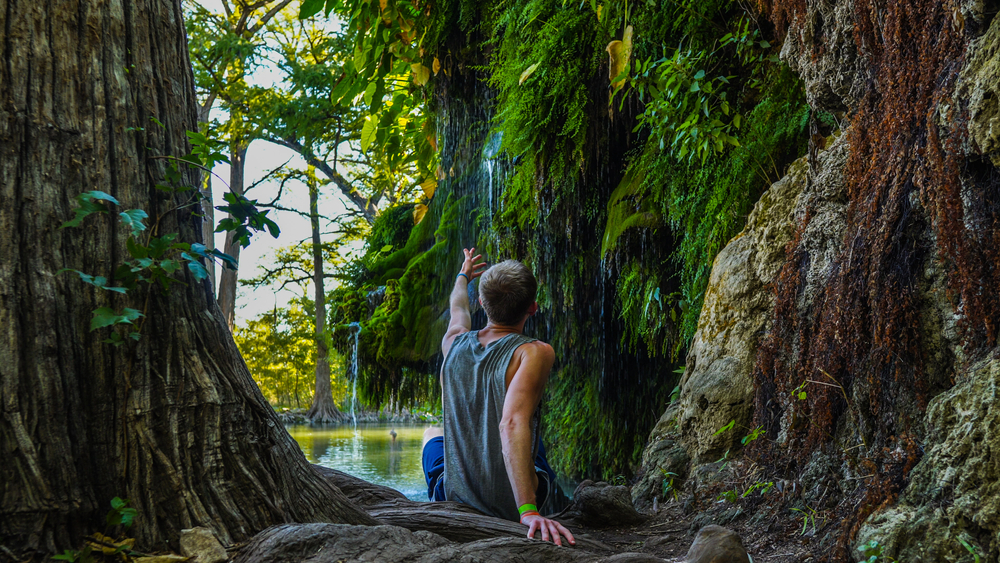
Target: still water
[(369, 452)]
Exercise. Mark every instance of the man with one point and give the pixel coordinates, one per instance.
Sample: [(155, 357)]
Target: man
[(488, 455)]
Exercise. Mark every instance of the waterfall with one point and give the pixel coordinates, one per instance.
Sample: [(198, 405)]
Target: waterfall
[(355, 330)]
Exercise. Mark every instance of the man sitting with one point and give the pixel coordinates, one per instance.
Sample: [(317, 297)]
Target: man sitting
[(489, 454)]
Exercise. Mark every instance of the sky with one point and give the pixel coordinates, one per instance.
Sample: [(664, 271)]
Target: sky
[(262, 157)]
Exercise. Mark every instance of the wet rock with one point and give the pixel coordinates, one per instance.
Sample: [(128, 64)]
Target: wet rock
[(201, 545), (599, 505), (717, 385), (715, 544), (980, 84), (954, 491)]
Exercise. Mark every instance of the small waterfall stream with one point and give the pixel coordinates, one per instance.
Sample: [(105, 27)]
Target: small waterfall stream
[(355, 330)]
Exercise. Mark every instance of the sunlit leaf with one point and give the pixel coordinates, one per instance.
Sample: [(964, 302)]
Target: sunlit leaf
[(527, 73), (421, 74), (368, 131), (436, 66), (418, 213), (619, 52), (429, 186)]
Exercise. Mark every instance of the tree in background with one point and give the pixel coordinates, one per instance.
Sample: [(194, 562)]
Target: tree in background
[(225, 49), (280, 350)]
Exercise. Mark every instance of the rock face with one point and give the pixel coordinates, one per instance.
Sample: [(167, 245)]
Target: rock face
[(717, 386), (954, 492), (201, 545), (664, 463), (981, 86), (715, 544), (599, 505), (821, 49)]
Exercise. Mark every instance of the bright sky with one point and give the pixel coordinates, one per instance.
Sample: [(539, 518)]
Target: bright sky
[(262, 157)]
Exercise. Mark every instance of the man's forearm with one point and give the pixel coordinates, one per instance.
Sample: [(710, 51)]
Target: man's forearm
[(460, 294), (515, 437)]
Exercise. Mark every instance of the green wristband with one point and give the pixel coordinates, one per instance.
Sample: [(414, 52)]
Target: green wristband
[(463, 275), (527, 508)]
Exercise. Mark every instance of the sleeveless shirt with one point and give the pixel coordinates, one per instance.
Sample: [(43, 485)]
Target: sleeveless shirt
[(473, 387)]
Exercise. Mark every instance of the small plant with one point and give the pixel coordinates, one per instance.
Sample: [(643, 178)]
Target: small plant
[(761, 486), (872, 552), (809, 516), (619, 480), (728, 496), (119, 515), (753, 435), (669, 490), (974, 550)]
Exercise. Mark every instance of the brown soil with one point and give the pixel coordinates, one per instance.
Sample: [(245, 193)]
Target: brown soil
[(670, 532)]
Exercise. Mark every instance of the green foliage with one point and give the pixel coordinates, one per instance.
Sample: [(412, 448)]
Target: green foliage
[(279, 348), (120, 514), (155, 260)]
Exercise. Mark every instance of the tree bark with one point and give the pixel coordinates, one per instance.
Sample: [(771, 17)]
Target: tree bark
[(229, 277), (174, 421), (323, 409)]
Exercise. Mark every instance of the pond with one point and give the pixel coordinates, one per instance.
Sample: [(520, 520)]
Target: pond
[(369, 452)]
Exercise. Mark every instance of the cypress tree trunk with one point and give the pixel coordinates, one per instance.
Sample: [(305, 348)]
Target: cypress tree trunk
[(173, 422), (322, 409)]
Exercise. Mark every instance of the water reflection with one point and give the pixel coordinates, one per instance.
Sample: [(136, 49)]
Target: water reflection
[(386, 454)]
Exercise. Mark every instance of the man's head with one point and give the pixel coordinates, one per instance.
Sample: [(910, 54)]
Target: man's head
[(507, 292)]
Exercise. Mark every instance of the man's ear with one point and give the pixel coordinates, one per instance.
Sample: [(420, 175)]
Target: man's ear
[(533, 309)]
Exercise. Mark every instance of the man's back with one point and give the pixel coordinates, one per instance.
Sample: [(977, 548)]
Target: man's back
[(473, 380)]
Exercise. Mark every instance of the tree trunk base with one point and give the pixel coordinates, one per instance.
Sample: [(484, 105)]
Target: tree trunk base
[(325, 413)]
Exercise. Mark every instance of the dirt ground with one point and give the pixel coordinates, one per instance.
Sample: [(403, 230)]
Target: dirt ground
[(669, 533)]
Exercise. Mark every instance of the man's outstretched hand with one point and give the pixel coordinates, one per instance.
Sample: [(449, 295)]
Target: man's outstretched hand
[(473, 266), (549, 528)]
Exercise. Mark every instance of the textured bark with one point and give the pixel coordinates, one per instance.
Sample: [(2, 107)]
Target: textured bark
[(229, 277), (322, 409), (332, 543), (173, 422), (451, 520)]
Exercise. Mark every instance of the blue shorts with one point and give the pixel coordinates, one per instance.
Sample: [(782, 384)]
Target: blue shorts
[(432, 461)]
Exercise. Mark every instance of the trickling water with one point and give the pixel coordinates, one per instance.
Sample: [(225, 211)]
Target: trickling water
[(355, 330)]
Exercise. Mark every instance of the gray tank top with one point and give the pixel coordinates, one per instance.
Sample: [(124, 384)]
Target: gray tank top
[(473, 387)]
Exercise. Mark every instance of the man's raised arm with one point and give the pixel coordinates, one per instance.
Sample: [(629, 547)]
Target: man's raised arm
[(461, 319)]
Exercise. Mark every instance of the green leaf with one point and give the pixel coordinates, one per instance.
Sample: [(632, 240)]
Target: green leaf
[(97, 195), (197, 269), (106, 316), (699, 75), (132, 218), (802, 395), (368, 131), (227, 260)]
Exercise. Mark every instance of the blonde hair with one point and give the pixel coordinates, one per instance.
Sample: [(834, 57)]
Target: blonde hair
[(507, 291)]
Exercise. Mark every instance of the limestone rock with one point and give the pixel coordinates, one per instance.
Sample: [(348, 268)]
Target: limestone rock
[(954, 491), (599, 505), (717, 384), (821, 49), (980, 84), (715, 544), (664, 455), (201, 545)]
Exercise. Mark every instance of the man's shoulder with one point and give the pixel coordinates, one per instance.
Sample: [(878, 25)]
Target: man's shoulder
[(537, 348)]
